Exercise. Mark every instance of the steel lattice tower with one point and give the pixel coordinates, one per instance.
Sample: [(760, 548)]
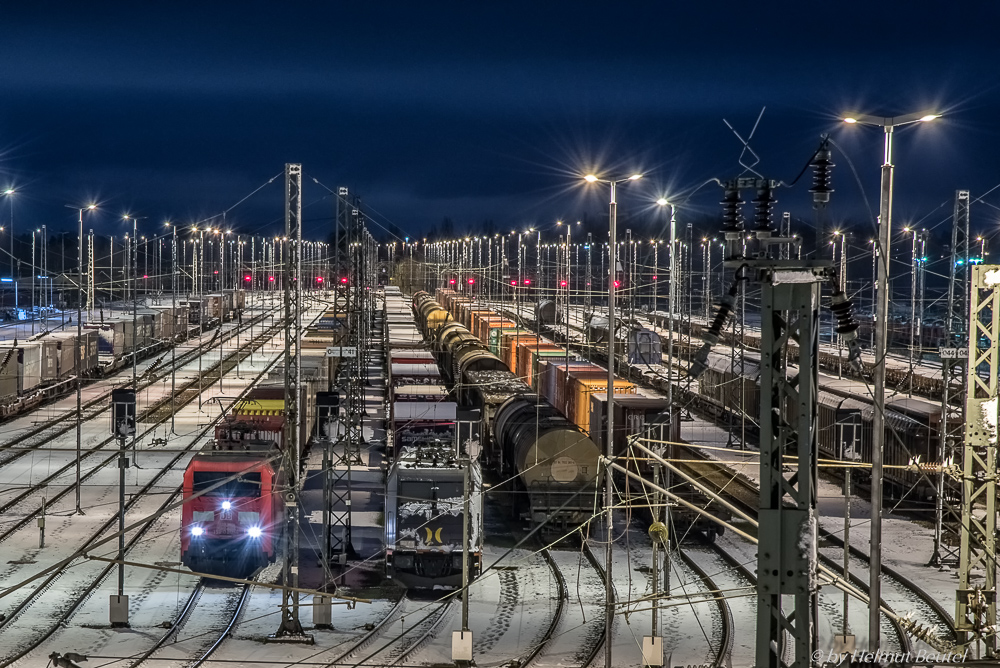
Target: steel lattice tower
[(976, 613), (947, 516), (293, 382), (347, 451)]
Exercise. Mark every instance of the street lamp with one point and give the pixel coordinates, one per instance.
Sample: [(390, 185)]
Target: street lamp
[(888, 124), (79, 356), (609, 443), (9, 192)]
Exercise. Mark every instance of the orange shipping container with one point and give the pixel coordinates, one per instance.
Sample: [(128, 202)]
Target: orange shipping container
[(517, 343), (525, 354), (578, 408)]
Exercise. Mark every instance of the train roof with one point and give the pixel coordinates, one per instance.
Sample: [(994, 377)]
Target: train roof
[(420, 391), (424, 410), (241, 451), (405, 369), (427, 458), (496, 385), (632, 400)]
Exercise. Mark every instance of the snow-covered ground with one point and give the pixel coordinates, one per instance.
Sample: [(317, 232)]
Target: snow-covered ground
[(155, 596)]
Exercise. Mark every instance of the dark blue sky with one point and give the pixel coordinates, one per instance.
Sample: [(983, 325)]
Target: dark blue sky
[(478, 111)]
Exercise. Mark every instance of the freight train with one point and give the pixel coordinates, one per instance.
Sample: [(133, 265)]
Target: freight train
[(526, 436), (234, 489), (728, 391), (434, 449), (38, 368), (551, 381)]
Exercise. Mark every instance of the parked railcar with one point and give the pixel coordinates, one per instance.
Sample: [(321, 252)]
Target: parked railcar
[(557, 464), (232, 528), (425, 513)]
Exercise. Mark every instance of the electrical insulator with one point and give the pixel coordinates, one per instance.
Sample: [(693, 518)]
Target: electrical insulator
[(821, 165), (842, 307), (765, 203), (699, 362), (731, 210)]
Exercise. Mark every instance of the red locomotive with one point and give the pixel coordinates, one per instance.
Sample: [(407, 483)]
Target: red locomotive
[(234, 528)]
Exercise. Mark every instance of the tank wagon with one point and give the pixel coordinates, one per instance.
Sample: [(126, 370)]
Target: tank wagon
[(524, 434)]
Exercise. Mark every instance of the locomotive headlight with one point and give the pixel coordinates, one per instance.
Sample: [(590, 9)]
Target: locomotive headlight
[(226, 505), (197, 531), (253, 532)]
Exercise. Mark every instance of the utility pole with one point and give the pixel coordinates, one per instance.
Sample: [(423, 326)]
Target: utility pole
[(173, 315), (790, 302), (290, 628), (947, 516), (123, 425)]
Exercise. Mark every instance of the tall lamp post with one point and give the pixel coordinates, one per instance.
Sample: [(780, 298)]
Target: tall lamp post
[(79, 356), (609, 592), (888, 124), (9, 192)]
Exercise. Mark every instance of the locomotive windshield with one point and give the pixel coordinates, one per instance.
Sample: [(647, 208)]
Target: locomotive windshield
[(247, 484), (422, 490)]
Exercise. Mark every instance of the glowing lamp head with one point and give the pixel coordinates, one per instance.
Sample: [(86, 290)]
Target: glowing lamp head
[(227, 505), (590, 178), (850, 120), (253, 532), (197, 531)]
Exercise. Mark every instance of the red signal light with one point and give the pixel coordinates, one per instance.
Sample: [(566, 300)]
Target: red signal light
[(216, 271), (527, 282), (319, 279), (471, 281), (617, 284), (513, 283), (247, 278), (562, 284), (344, 280), (451, 282), (654, 278), (270, 278)]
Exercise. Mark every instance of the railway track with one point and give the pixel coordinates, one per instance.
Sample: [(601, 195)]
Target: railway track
[(374, 634), (54, 573), (22, 443), (186, 394), (410, 637), (725, 643), (745, 495), (211, 613), (575, 634)]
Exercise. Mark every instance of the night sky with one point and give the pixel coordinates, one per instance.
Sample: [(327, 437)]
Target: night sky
[(482, 111)]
